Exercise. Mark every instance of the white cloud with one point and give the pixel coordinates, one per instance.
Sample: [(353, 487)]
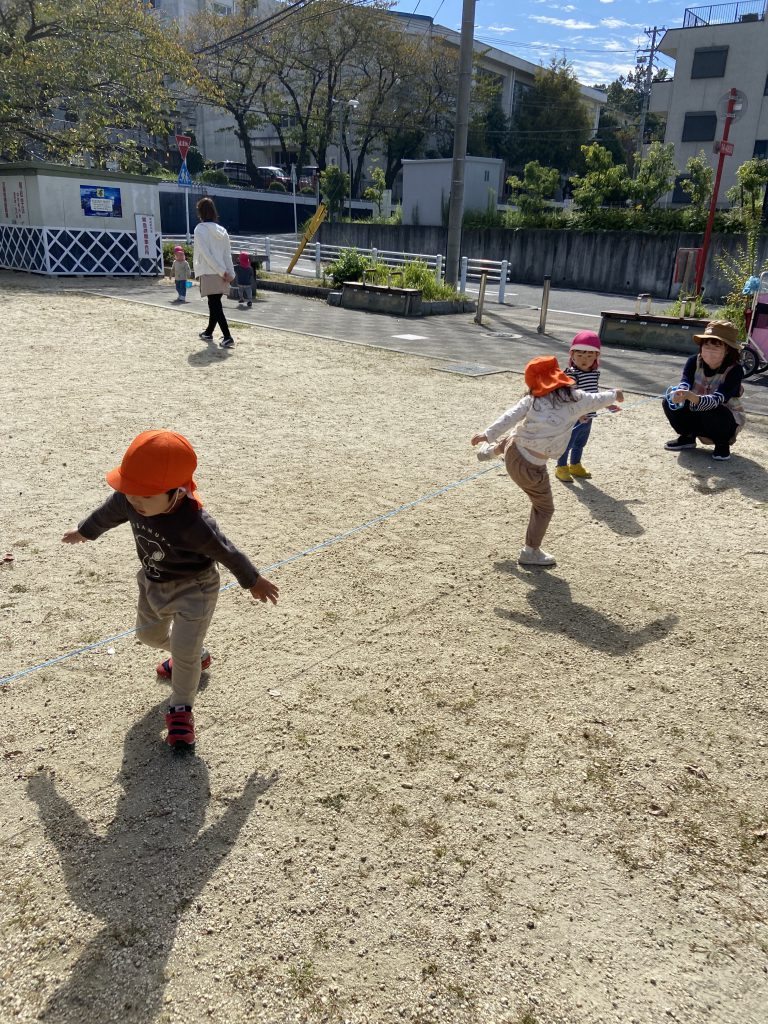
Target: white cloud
[(618, 23), (498, 29), (569, 23), (613, 44), (649, 1), (599, 72)]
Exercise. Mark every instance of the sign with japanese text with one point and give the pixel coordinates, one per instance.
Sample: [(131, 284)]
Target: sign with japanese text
[(100, 201), (146, 242)]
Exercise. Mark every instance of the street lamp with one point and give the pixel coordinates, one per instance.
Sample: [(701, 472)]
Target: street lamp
[(352, 105)]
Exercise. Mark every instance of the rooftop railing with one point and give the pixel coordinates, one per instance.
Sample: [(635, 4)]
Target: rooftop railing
[(725, 14)]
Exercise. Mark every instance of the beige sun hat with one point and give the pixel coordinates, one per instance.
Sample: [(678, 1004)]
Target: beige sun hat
[(720, 330)]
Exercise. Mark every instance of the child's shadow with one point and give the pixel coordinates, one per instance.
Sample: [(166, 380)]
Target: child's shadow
[(610, 511), (556, 612), (138, 879), (711, 477)]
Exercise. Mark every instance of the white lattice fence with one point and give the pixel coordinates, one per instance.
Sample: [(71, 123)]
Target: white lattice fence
[(63, 251)]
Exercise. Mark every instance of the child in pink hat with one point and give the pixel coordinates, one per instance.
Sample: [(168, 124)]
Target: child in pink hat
[(583, 366)]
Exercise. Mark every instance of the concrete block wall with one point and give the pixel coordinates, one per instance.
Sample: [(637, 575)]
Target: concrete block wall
[(616, 262)]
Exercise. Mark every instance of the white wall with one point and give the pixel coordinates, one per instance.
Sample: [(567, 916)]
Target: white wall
[(427, 187), (746, 69), (39, 198)]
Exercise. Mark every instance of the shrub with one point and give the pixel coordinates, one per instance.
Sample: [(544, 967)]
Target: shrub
[(348, 266), (213, 177), (276, 186), (417, 274)]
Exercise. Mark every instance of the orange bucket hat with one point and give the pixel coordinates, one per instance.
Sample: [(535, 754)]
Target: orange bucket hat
[(543, 374), (156, 461)]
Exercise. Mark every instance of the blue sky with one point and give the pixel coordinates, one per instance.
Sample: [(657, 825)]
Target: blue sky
[(599, 37)]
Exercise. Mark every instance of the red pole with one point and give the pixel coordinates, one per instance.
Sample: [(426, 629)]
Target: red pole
[(701, 263)]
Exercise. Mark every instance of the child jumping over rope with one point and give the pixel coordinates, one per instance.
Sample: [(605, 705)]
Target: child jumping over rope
[(544, 418), (178, 544), (583, 366)]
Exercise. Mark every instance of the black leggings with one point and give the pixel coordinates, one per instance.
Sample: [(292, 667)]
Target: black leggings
[(216, 316), (717, 424)]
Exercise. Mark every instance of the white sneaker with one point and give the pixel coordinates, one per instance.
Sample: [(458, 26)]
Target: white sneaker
[(535, 556), (486, 451)]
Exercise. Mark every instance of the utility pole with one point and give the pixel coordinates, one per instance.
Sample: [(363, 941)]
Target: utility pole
[(456, 208), (650, 54)]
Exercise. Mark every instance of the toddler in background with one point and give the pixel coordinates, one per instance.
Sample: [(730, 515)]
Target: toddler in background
[(182, 272), (244, 280), (583, 366)]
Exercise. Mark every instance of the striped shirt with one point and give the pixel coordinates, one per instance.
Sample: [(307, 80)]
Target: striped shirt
[(586, 380), (730, 387)]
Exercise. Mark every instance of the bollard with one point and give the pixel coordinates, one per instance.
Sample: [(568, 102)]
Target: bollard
[(503, 281), (318, 264), (463, 277), (267, 266), (374, 255), (481, 298), (647, 300), (544, 305), (439, 268)]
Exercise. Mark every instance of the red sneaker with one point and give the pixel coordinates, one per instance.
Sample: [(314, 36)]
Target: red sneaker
[(180, 724), (165, 668)]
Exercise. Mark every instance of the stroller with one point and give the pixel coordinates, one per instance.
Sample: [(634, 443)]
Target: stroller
[(754, 355)]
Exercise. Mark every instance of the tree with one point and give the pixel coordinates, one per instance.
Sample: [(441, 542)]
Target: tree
[(698, 182), (620, 117), (233, 74), (552, 122), (747, 193), (655, 175), (604, 181), (375, 193), (536, 186), (84, 75), (334, 186)]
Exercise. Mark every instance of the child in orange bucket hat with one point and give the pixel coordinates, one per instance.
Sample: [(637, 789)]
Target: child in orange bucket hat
[(543, 421), (178, 544)]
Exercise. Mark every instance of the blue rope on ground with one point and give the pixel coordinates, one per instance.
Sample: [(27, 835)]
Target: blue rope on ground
[(291, 558), (270, 568)]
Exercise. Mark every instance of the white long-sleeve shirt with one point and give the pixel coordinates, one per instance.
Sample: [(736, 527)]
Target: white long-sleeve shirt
[(212, 252), (544, 428)]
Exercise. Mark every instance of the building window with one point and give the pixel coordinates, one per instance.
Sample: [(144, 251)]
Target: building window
[(709, 62), (700, 127), (679, 195), (761, 149)]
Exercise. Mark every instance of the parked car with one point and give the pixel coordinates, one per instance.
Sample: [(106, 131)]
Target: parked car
[(308, 177), (269, 174)]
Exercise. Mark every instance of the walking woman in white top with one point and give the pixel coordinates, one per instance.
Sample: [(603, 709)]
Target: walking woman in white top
[(213, 268), (544, 418)]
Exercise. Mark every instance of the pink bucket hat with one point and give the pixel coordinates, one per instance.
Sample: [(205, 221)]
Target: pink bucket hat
[(586, 341)]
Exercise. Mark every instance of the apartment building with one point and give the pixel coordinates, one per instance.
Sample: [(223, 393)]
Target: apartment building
[(718, 48)]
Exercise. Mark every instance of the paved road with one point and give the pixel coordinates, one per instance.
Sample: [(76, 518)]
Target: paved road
[(506, 340)]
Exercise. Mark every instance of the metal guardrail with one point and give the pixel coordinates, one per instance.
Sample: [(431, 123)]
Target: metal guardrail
[(266, 248), (724, 14)]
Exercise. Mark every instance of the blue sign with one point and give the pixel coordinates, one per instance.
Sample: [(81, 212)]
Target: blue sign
[(100, 201), (185, 180)]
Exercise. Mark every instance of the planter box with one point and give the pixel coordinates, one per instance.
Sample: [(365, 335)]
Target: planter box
[(441, 307), (380, 298), (650, 333)]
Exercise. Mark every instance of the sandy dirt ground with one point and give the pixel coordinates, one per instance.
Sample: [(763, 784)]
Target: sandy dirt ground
[(430, 785)]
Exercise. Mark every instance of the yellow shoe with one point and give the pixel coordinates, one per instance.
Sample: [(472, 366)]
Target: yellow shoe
[(578, 470), (564, 473)]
